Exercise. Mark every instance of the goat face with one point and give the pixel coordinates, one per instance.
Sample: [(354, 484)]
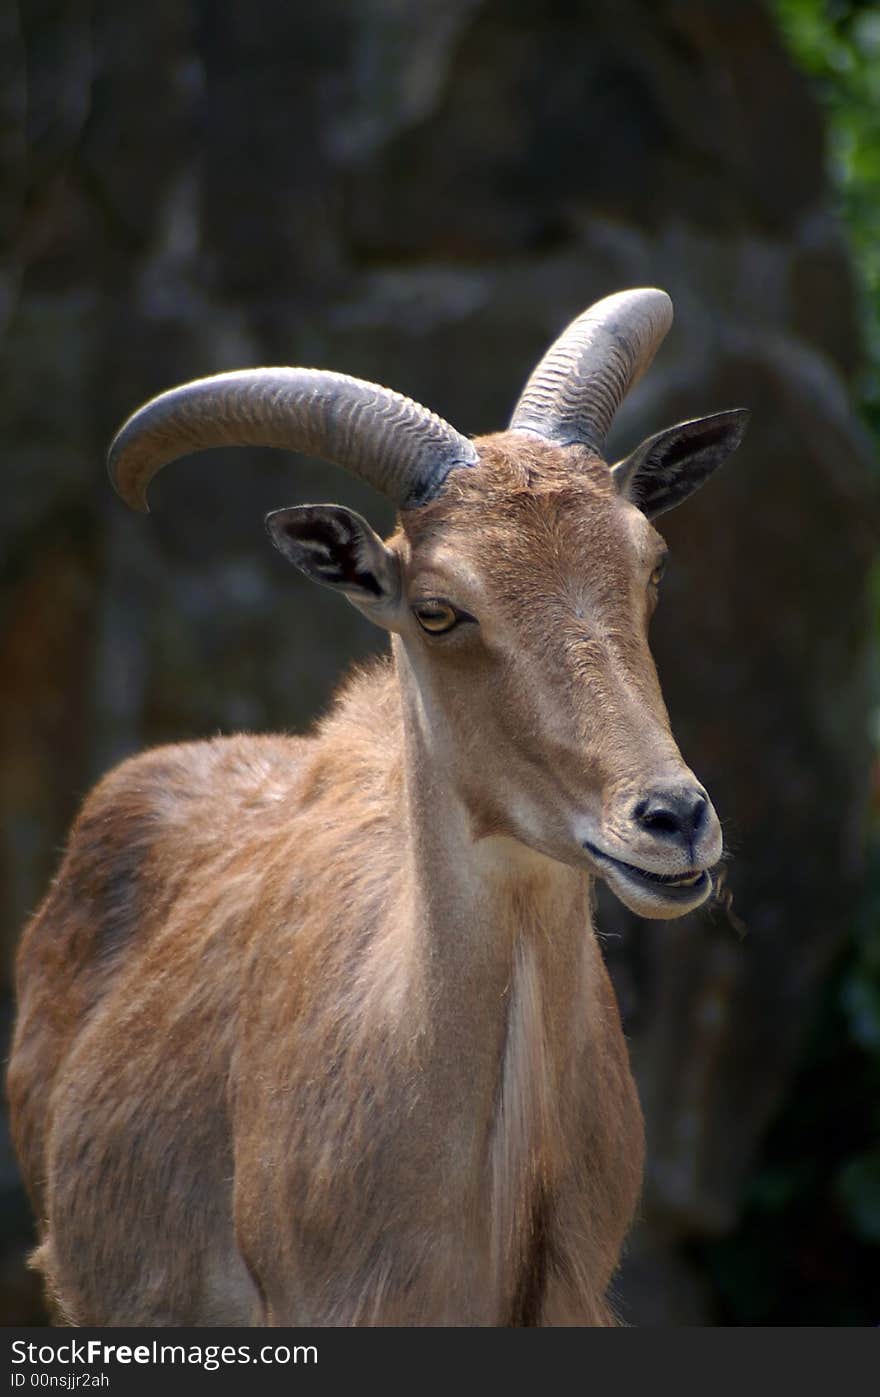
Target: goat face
[(519, 584), (521, 598)]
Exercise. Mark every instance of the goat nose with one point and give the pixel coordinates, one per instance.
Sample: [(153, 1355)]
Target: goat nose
[(677, 812)]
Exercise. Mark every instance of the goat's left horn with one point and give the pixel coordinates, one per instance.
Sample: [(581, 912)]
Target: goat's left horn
[(401, 449), (578, 386)]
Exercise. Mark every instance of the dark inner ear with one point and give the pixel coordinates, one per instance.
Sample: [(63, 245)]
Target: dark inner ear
[(336, 547), (679, 448), (668, 467), (337, 540)]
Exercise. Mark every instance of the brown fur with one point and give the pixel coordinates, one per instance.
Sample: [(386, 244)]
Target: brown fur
[(317, 1031)]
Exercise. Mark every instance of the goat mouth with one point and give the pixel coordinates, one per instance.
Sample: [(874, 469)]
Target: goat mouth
[(671, 887)]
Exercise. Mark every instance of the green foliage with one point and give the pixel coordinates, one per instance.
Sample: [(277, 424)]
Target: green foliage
[(837, 42)]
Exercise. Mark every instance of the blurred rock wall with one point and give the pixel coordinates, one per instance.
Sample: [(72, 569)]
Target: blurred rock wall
[(424, 192)]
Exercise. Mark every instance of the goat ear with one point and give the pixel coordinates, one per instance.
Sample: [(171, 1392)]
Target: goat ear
[(668, 467), (336, 547)]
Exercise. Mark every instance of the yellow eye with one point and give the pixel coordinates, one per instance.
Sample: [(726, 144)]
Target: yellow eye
[(658, 572), (435, 616)]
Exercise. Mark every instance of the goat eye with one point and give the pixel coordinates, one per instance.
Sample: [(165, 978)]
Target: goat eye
[(658, 572), (436, 616)]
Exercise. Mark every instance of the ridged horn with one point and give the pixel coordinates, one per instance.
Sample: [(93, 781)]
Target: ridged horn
[(578, 386), (399, 447)]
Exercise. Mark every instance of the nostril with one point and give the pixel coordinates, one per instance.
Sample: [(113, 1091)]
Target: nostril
[(675, 811), (661, 822), (698, 814)]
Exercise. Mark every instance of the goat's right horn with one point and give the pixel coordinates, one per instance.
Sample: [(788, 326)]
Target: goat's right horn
[(399, 447), (579, 384)]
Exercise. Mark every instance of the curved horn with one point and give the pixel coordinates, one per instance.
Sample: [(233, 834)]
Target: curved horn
[(400, 448), (578, 386)]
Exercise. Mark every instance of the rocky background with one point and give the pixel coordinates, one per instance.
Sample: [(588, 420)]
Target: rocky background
[(423, 192)]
